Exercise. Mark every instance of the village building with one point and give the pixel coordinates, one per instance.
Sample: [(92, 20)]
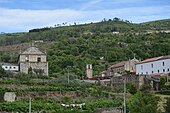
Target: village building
[(154, 68), (33, 58), (157, 65), (89, 71), (120, 68), (10, 67)]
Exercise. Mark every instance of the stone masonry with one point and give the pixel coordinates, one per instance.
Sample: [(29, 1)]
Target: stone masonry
[(33, 57)]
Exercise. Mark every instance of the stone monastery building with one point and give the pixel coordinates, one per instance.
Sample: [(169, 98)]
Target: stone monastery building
[(33, 58)]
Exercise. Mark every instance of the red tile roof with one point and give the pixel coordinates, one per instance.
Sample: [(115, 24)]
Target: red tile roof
[(119, 64), (154, 59)]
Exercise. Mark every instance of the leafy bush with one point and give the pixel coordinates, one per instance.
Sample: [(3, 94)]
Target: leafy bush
[(142, 103), (131, 88)]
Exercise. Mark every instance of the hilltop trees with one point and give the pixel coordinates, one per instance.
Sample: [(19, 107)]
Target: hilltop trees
[(143, 103)]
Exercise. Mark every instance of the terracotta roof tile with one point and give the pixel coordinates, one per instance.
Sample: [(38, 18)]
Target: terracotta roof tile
[(154, 59), (151, 59), (119, 64)]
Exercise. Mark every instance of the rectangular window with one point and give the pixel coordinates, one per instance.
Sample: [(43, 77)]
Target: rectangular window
[(163, 63), (38, 59), (152, 71), (163, 70), (152, 65), (141, 66), (158, 71)]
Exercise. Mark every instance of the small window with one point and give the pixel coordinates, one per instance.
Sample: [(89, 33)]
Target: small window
[(152, 71), (163, 70), (6, 67), (152, 65), (168, 70), (163, 63), (38, 59), (141, 66), (88, 66), (14, 67), (158, 71), (146, 72), (10, 67)]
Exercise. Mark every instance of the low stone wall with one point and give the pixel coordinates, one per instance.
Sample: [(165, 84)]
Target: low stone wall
[(47, 94), (8, 97)]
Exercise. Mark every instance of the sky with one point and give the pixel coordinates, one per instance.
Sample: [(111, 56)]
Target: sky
[(23, 15)]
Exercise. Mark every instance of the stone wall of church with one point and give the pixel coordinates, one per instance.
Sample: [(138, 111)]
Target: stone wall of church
[(32, 58), (24, 66)]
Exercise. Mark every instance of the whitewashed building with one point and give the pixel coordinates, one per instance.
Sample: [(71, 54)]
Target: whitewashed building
[(157, 65), (9, 67)]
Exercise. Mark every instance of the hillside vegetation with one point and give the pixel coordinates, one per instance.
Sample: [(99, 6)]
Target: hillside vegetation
[(72, 47)]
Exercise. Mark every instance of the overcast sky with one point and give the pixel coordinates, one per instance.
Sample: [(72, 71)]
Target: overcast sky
[(22, 15)]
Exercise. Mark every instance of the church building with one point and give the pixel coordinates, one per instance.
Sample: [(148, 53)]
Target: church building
[(35, 59)]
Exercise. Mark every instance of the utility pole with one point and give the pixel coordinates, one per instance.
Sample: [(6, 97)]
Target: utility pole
[(68, 76), (30, 105), (124, 103)]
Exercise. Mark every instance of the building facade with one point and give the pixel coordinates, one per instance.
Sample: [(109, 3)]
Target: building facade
[(33, 58), (120, 68), (157, 65)]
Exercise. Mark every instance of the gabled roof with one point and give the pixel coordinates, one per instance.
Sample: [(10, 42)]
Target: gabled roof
[(33, 51), (154, 59), (119, 64)]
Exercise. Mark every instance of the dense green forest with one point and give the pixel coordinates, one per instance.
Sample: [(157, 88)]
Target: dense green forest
[(72, 47)]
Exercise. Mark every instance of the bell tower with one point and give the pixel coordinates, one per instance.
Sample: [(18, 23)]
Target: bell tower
[(89, 71)]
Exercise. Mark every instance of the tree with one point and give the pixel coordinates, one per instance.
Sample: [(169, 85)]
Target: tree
[(143, 103), (2, 71), (131, 88), (30, 71), (162, 82), (167, 108)]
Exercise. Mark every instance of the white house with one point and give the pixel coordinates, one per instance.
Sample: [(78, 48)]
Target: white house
[(10, 67), (157, 65)]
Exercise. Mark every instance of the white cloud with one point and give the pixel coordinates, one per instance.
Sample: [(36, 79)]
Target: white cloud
[(23, 19), (12, 20), (90, 4)]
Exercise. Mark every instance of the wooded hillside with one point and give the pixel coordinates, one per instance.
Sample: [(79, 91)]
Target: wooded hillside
[(74, 46)]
